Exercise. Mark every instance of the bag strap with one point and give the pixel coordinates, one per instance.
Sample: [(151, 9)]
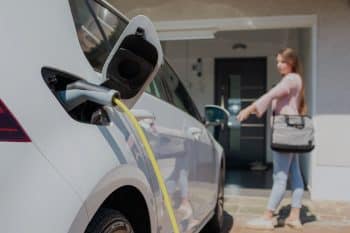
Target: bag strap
[(296, 125)]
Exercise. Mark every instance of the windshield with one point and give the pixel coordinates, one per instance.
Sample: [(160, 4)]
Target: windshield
[(98, 29)]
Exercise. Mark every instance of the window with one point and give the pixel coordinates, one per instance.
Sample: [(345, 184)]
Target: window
[(156, 88), (179, 95), (99, 28), (93, 41), (89, 17)]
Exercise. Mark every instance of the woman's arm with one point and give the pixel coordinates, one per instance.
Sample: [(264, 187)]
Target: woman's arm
[(245, 113), (260, 106)]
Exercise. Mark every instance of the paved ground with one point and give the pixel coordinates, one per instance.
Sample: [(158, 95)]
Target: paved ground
[(317, 217)]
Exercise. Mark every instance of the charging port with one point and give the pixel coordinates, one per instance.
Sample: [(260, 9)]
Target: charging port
[(86, 112)]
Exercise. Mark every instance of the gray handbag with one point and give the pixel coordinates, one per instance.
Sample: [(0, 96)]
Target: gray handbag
[(292, 133)]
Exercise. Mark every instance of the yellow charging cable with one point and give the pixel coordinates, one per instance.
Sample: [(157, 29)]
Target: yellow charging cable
[(149, 151)]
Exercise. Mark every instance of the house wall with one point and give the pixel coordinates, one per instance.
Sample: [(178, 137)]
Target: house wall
[(305, 53)]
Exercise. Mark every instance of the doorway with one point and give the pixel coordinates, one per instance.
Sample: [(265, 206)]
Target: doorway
[(238, 83), (262, 43)]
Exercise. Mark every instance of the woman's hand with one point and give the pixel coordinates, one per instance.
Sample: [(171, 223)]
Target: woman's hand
[(244, 113)]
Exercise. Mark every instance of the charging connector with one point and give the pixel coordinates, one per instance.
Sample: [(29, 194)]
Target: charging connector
[(81, 91)]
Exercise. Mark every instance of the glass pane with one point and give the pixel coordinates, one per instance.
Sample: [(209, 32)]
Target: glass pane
[(180, 96), (156, 88), (96, 49), (234, 101), (234, 106)]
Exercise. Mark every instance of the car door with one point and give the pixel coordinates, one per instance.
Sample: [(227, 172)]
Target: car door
[(165, 130), (182, 146), (202, 150)]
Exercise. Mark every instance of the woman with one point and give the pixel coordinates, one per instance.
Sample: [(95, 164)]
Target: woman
[(287, 97)]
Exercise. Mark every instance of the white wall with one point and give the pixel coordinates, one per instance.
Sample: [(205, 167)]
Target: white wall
[(305, 53)]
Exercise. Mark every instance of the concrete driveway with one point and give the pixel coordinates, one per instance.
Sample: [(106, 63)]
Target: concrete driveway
[(317, 217)]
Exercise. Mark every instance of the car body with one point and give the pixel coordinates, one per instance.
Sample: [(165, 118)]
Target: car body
[(65, 166)]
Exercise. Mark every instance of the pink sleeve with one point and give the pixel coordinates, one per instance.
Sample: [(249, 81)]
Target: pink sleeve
[(283, 88)]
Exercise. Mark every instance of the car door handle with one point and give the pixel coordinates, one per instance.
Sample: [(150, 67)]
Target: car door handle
[(142, 114), (195, 132)]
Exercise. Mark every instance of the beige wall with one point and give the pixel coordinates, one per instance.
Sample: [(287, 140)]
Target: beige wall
[(305, 48)]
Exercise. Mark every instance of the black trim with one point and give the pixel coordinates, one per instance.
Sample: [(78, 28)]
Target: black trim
[(308, 116), (289, 148)]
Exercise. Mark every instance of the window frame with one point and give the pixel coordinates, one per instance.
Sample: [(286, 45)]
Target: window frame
[(113, 10), (166, 93), (170, 93), (98, 62)]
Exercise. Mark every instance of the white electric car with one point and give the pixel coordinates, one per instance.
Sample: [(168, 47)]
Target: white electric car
[(78, 166)]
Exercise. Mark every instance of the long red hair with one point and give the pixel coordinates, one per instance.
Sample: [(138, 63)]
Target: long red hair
[(291, 57)]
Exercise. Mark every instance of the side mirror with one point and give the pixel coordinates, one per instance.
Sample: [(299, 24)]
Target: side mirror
[(215, 115), (134, 61)]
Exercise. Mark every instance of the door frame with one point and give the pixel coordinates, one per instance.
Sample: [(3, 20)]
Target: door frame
[(217, 96)]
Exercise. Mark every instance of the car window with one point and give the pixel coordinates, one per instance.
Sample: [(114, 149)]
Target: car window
[(92, 41), (156, 88), (179, 95), (96, 43)]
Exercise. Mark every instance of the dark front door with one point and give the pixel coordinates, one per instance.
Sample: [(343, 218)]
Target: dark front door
[(239, 82)]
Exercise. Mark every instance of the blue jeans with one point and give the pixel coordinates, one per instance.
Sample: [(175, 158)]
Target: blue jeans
[(283, 165)]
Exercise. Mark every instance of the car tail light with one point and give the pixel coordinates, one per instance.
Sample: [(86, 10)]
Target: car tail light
[(10, 129)]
